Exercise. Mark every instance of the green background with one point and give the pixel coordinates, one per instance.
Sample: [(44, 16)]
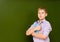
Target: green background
[(16, 16)]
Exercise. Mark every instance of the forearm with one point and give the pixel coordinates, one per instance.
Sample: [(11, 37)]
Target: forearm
[(30, 31), (39, 35)]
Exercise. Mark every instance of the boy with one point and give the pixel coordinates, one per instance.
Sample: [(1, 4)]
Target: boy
[(41, 28)]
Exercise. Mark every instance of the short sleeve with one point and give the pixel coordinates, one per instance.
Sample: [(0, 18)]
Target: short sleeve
[(47, 29), (33, 25)]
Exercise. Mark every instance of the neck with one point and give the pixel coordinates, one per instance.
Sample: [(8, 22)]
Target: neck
[(41, 20)]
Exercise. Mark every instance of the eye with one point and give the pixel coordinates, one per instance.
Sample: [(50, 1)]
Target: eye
[(42, 12)]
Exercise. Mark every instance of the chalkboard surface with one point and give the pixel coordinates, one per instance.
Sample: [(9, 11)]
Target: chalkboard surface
[(16, 16)]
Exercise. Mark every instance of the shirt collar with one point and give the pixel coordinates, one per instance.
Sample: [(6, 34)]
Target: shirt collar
[(41, 21)]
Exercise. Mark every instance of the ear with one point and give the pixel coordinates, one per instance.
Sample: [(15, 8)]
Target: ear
[(46, 14)]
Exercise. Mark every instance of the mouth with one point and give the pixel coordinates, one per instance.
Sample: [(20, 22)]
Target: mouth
[(40, 16)]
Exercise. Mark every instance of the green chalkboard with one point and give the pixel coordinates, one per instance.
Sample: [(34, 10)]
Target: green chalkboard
[(16, 16)]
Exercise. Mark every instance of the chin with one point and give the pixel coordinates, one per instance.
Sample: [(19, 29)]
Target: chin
[(41, 19)]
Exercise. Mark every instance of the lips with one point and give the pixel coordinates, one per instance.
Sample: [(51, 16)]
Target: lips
[(40, 16)]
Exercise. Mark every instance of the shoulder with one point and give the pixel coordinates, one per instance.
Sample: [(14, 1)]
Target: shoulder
[(49, 25), (35, 22), (47, 22)]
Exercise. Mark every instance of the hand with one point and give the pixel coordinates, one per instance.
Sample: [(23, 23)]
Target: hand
[(38, 28)]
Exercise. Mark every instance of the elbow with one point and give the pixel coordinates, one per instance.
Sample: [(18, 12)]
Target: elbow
[(45, 37), (27, 34)]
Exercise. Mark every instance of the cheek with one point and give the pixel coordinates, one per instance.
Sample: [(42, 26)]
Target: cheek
[(43, 16), (39, 15)]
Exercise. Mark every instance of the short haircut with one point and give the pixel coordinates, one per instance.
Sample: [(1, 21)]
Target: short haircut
[(44, 8)]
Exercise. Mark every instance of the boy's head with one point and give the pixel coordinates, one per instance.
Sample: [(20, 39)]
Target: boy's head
[(42, 13)]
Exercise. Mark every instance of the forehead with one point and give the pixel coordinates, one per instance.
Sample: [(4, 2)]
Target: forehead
[(41, 10)]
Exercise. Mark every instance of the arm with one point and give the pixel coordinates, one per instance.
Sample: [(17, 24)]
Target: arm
[(39, 35), (46, 31), (30, 31)]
